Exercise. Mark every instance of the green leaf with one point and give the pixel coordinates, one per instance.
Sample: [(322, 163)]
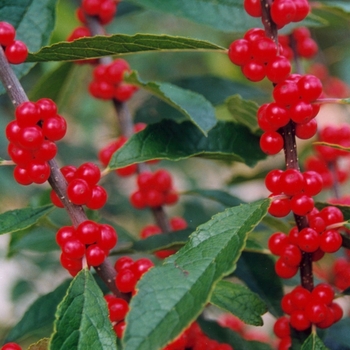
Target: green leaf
[(225, 15), (244, 112), (219, 196), (226, 335), (162, 241), (239, 301), (331, 145), (40, 315), (42, 344), (119, 44), (171, 296), (82, 320), (33, 29), (257, 271), (51, 84), (342, 4), (192, 105), (169, 140), (313, 342), (19, 219)]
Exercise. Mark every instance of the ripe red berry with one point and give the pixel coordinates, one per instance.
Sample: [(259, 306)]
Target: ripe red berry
[(254, 70), (11, 346), (299, 320), (277, 243), (138, 200), (291, 182), (88, 232), (162, 180), (301, 204), (278, 69), (101, 89), (279, 207), (301, 112), (300, 297), (123, 92), (46, 151), (107, 11), (178, 223), (19, 155), (98, 198), (239, 52), (253, 8), (291, 255), (79, 191), (27, 114), (108, 237), (95, 255), (74, 249), (286, 93), (54, 128), (16, 52), (283, 12), (39, 171), (7, 33), (330, 241), (89, 172), (272, 181), (271, 142), (150, 230), (12, 131), (64, 234), (281, 327), (21, 176), (285, 271), (302, 9), (47, 108), (331, 215), (126, 281), (117, 308), (119, 329), (123, 263), (286, 304), (91, 7), (310, 87), (306, 130), (154, 198), (308, 240), (68, 171), (277, 115), (141, 266), (316, 311), (30, 137), (263, 49), (115, 71), (307, 48)]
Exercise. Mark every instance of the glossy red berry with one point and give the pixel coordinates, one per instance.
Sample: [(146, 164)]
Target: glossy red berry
[(308, 240), (64, 234), (108, 237), (291, 255), (115, 71), (19, 155), (278, 69), (27, 114), (277, 242), (138, 200), (253, 8), (7, 33), (254, 70), (123, 263), (30, 137), (126, 281), (330, 241), (119, 329), (123, 92), (79, 191), (88, 232), (306, 130), (98, 198), (277, 115), (21, 176), (283, 12), (39, 171), (239, 52), (141, 266), (300, 297), (299, 320), (74, 249), (95, 255), (281, 327), (150, 230), (46, 151), (117, 308), (316, 311), (310, 87), (178, 223), (11, 346), (291, 182), (89, 172), (47, 108), (285, 271), (271, 142), (91, 7), (279, 207), (301, 204), (331, 215), (54, 128), (16, 52), (272, 181)]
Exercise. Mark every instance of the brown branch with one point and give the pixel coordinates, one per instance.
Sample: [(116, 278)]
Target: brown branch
[(56, 180)]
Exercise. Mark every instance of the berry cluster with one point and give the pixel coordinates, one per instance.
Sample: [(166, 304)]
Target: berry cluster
[(154, 190), (32, 137), (103, 10), (16, 51), (193, 338), (108, 81), (89, 239), (11, 346), (283, 12), (176, 224), (326, 162), (306, 308), (319, 238), (305, 46), (82, 188), (292, 190), (294, 99), (257, 55)]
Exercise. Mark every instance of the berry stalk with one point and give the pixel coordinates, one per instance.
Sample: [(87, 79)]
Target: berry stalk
[(56, 180)]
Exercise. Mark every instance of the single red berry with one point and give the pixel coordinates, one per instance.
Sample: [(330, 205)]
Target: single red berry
[(126, 281), (329, 320), (337, 311), (277, 242), (107, 11), (123, 92), (117, 308), (74, 249), (330, 241), (39, 171), (316, 311), (127, 171), (79, 191), (263, 123), (115, 71), (123, 263), (95, 255), (119, 329), (279, 207), (162, 180), (285, 343), (310, 88), (301, 204), (317, 224), (79, 33), (21, 176), (11, 346), (47, 108), (272, 181), (302, 10), (286, 304), (30, 137), (293, 235), (46, 151), (254, 34), (253, 8), (281, 327), (141, 266), (12, 131), (254, 70), (285, 271), (89, 172), (16, 52), (7, 33), (64, 234), (277, 115), (100, 72), (154, 198), (145, 181), (300, 297), (55, 199), (271, 142), (101, 89), (71, 264), (291, 255), (307, 48), (178, 223), (283, 12), (263, 49), (138, 200), (19, 155), (278, 69), (331, 215), (88, 232), (299, 321), (286, 93), (98, 198), (239, 52), (54, 128), (68, 171), (291, 182), (170, 197), (150, 230), (301, 112), (91, 7), (27, 114), (108, 237), (306, 130), (308, 240)]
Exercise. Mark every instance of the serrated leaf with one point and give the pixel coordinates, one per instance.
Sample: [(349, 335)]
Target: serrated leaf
[(32, 29), (244, 112), (226, 335), (42, 344), (257, 271), (313, 342), (216, 195), (192, 105), (162, 241), (82, 320), (239, 301), (225, 15), (19, 219), (169, 140), (118, 44), (50, 85), (40, 315), (171, 296)]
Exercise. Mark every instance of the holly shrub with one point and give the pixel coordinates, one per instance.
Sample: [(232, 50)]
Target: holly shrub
[(174, 174)]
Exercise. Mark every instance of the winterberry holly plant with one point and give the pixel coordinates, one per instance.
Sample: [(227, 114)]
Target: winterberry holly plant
[(175, 174)]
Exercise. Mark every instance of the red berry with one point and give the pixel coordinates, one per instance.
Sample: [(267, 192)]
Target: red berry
[(107, 11), (108, 237), (46, 151), (324, 293), (253, 8), (272, 181), (306, 130), (95, 255), (254, 70), (55, 199), (19, 155), (300, 297), (68, 171), (79, 191), (271, 142), (89, 172), (12, 131), (98, 198), (286, 304), (279, 207), (88, 232), (79, 33), (11, 346), (329, 320), (308, 240), (126, 281), (27, 114), (71, 264), (101, 89), (315, 311), (138, 200), (285, 271), (150, 230), (115, 71), (276, 115), (30, 137), (141, 266), (39, 171), (291, 182), (278, 69), (119, 329), (239, 52), (21, 176), (310, 87), (286, 93), (299, 321), (277, 242), (254, 34), (123, 92), (178, 223), (291, 255), (331, 215), (127, 171), (47, 108), (16, 52), (337, 311), (281, 327), (154, 198), (74, 249), (64, 234), (283, 12), (307, 48), (263, 49), (117, 308), (91, 7), (302, 10), (54, 128), (123, 263), (301, 204), (330, 241), (162, 180), (7, 33), (301, 112)]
